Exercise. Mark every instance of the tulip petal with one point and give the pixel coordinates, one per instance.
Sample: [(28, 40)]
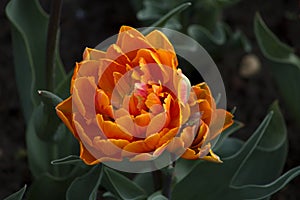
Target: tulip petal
[(152, 140), (190, 154), (106, 78), (115, 53), (102, 104), (93, 54), (201, 135), (212, 157), (167, 58), (159, 41), (221, 120), (167, 136), (157, 123), (64, 112), (142, 157), (152, 99), (187, 136), (176, 146), (86, 139), (84, 69), (112, 130), (109, 147), (142, 119), (84, 97), (136, 147), (86, 156), (130, 40)]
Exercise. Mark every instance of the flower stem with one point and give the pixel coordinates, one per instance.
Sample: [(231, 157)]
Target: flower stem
[(51, 42), (157, 179), (167, 183)]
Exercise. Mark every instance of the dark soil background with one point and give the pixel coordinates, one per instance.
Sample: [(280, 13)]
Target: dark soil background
[(86, 23)]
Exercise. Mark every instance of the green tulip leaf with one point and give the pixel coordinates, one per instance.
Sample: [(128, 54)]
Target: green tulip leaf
[(164, 19), (263, 191), (17, 195), (85, 186), (284, 65), (205, 37), (237, 39), (29, 30), (145, 181), (48, 187), (121, 186), (49, 98), (42, 152), (220, 35), (47, 124), (157, 196), (71, 159), (255, 164)]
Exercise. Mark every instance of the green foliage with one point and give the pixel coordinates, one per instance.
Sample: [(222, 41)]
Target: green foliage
[(17, 195), (49, 187), (45, 119), (145, 181), (157, 196), (163, 20), (46, 137), (201, 20), (284, 64), (121, 186), (86, 186), (29, 34), (263, 154)]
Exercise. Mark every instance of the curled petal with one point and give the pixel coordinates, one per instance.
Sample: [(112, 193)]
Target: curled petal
[(112, 130), (86, 156), (167, 135), (93, 54), (106, 70), (157, 123), (115, 53), (109, 147), (130, 40), (83, 97), (64, 111)]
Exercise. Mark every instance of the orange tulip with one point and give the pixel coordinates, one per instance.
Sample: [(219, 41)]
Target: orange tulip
[(133, 102)]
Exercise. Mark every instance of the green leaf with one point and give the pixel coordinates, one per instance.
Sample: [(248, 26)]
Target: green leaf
[(71, 159), (263, 191), (167, 16), (205, 37), (86, 186), (48, 187), (47, 124), (121, 186), (157, 196), (271, 45), (213, 41), (29, 30), (237, 39), (263, 154), (42, 152), (284, 64), (145, 181), (49, 98), (17, 195)]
